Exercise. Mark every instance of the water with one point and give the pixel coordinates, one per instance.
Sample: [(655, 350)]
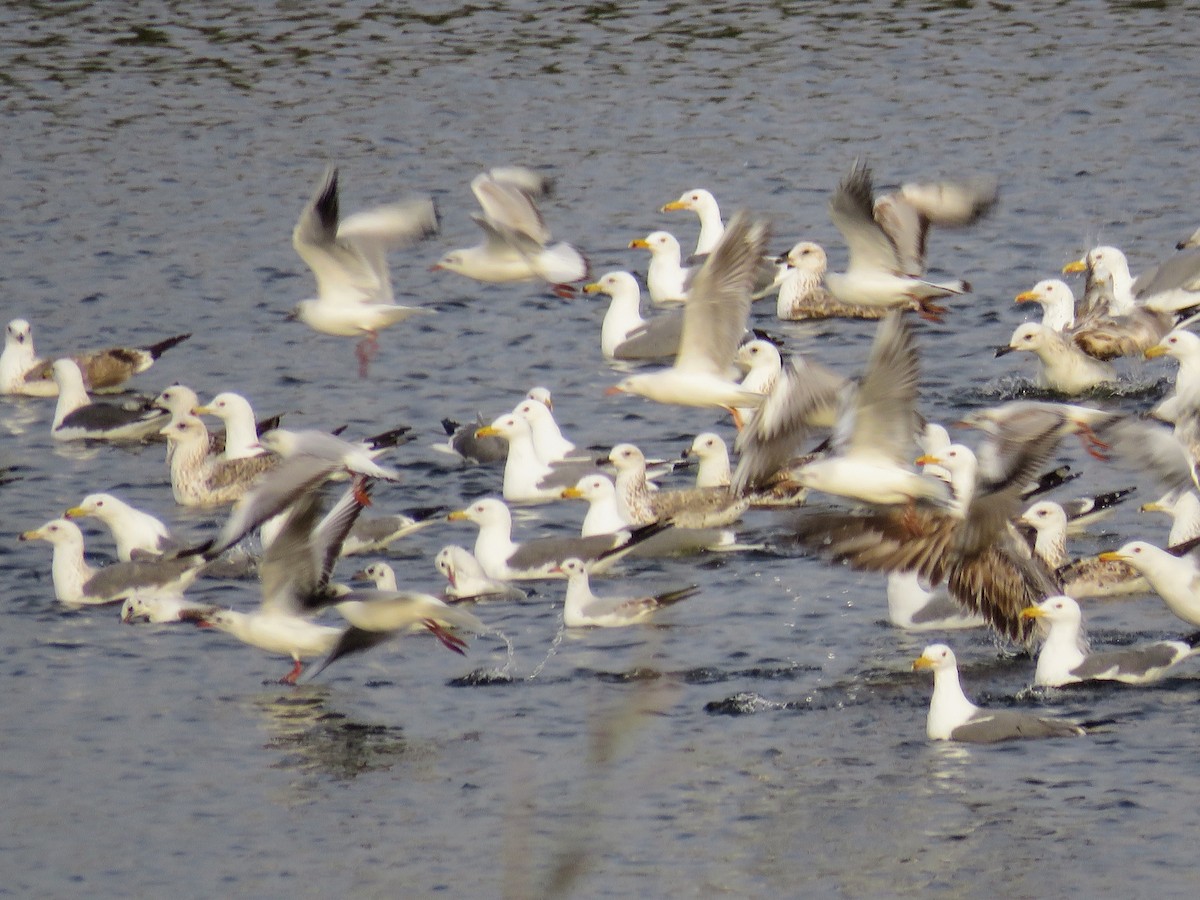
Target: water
[(153, 165)]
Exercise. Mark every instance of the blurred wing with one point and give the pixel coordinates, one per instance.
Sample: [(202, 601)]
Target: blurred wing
[(852, 210)]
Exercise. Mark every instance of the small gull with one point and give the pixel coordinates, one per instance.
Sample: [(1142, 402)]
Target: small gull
[(667, 280), (78, 584), (506, 560), (372, 534), (625, 334), (77, 418), (952, 717), (517, 244), (137, 534), (713, 324), (466, 580), (21, 372), (1064, 657), (160, 609), (762, 363), (885, 262), (582, 608), (349, 260), (380, 574)]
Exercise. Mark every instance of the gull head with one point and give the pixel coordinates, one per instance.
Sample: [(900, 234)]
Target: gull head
[(757, 353), (1054, 610), (807, 257), (542, 395), (1050, 291), (1030, 337), (695, 199), (454, 261), (572, 567), (614, 283), (1045, 514), (488, 511), (1179, 344), (18, 333), (1135, 553), (938, 657), (224, 405), (590, 487), (281, 441), (707, 445), (188, 428), (506, 427), (56, 531), (657, 242), (92, 505), (627, 457), (177, 399)]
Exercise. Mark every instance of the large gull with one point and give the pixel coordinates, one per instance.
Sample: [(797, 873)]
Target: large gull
[(22, 372), (625, 334), (241, 427), (348, 257), (1065, 659), (803, 294), (77, 417), (1174, 574), (953, 717), (1171, 286), (197, 478), (78, 584), (517, 244), (1063, 366), (583, 608), (136, 533), (713, 469), (667, 279), (714, 321), (704, 205)]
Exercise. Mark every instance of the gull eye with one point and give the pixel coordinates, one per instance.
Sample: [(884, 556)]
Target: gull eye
[(99, 503)]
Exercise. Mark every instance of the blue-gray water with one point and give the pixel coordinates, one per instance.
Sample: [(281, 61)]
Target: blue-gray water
[(153, 164)]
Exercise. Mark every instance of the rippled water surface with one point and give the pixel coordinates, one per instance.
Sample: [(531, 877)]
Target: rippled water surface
[(764, 738)]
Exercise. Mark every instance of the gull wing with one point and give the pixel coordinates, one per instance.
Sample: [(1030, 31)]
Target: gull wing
[(884, 412), (718, 306), (507, 205), (852, 210)]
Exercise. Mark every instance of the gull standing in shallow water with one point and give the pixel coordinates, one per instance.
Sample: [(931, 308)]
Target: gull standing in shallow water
[(713, 323), (952, 717), (1064, 658), (349, 260)]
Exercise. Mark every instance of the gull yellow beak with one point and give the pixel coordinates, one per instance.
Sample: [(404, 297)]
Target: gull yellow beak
[(486, 431), (1112, 556), (1028, 297), (75, 512), (1032, 612), (202, 411), (672, 206), (922, 662), (571, 493), (593, 288), (34, 535), (1156, 351), (1077, 265), (927, 459), (639, 242), (458, 515), (1152, 506)]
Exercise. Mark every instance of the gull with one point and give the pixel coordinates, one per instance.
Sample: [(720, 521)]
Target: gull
[(241, 428), (1171, 286), (137, 534), (704, 205), (1184, 347), (667, 279), (1184, 509), (582, 608), (970, 544), (952, 717), (380, 574), (503, 559), (887, 245), (526, 478), (1057, 302), (376, 533), (914, 606), (348, 258), (463, 441), (686, 508), (1082, 578), (198, 479), (875, 434), (1064, 657), (159, 609), (714, 469), (713, 323), (763, 364), (1063, 366), (466, 580), (77, 418), (352, 458), (604, 513), (625, 334), (78, 584), (295, 581), (517, 244), (803, 294), (548, 441), (1172, 573), (22, 372)]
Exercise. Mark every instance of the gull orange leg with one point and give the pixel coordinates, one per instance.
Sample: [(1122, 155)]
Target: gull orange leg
[(365, 351), (290, 677), (360, 491), (1092, 444)]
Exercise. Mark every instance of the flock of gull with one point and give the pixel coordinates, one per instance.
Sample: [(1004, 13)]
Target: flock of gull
[(962, 531)]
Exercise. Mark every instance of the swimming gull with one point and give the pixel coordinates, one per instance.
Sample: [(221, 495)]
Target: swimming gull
[(548, 441), (686, 508), (462, 441), (348, 258), (526, 478), (1173, 574), (604, 514), (137, 534), (159, 609), (713, 470), (915, 606), (625, 334), (582, 608), (1063, 366), (372, 534), (197, 479), (667, 279), (952, 717), (22, 372), (803, 294), (704, 205), (78, 418), (241, 427), (466, 580)]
